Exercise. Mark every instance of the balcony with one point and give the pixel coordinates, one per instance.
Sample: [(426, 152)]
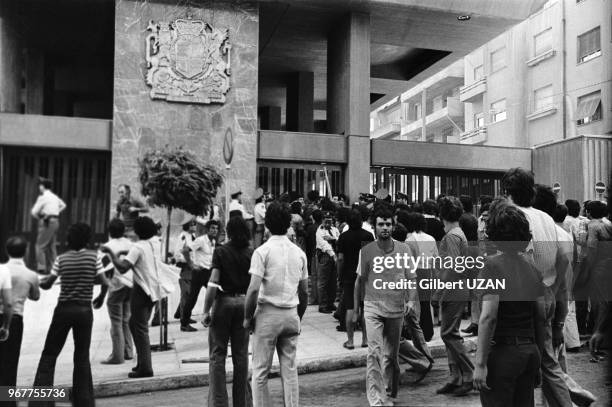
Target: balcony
[(469, 93), (388, 130), (475, 136), (453, 109)]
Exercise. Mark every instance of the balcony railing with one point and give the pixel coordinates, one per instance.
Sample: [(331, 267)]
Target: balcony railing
[(387, 130), (469, 93), (475, 136)]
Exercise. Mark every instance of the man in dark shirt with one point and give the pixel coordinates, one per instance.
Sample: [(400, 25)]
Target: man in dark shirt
[(128, 208), (348, 246), (435, 227), (310, 243)]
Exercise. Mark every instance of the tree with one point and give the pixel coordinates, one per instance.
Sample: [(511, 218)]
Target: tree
[(175, 179)]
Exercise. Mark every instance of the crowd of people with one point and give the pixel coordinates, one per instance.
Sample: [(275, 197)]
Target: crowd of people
[(261, 270)]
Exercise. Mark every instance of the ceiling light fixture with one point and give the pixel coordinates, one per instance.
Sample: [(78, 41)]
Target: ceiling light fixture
[(463, 17)]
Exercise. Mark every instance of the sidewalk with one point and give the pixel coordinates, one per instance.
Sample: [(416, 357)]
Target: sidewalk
[(319, 349)]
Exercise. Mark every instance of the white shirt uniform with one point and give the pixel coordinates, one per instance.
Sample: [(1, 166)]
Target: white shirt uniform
[(48, 204), (235, 205)]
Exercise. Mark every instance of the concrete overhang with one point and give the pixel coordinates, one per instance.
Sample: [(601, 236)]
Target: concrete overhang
[(415, 154)]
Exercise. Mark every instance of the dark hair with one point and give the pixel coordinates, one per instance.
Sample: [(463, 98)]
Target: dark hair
[(278, 218), (545, 199), (238, 232), (519, 184), (354, 220), (598, 209), (417, 207), (328, 205), (485, 199), (573, 207), (145, 228), (296, 207), (78, 236), (45, 182), (560, 213), (364, 211), (313, 195), (485, 207), (212, 222), (469, 226), (343, 198), (450, 209), (116, 228), (415, 222), (125, 186), (342, 214), (508, 226), (317, 215), (467, 203), (430, 207), (399, 232), (383, 212), (16, 247)]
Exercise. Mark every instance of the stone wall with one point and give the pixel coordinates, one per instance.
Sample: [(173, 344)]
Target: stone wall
[(140, 123)]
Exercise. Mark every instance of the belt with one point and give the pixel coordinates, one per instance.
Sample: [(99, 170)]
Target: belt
[(513, 340), (224, 294)]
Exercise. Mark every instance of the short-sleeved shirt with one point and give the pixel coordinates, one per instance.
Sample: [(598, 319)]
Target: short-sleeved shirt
[(233, 265), (142, 258), (281, 265), (77, 271), (375, 269), (123, 208), (349, 244), (454, 244), (119, 280), (24, 282), (544, 244), (517, 302)]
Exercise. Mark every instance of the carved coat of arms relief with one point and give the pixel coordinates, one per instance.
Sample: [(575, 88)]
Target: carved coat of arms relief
[(188, 61)]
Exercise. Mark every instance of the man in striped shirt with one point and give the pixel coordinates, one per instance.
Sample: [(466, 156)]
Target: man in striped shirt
[(78, 269)]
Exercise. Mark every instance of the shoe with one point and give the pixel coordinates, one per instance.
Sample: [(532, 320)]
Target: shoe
[(325, 311), (422, 374), (464, 389), (187, 328), (469, 329), (447, 388), (573, 350), (137, 374), (111, 362), (341, 328), (135, 368), (177, 315), (348, 346), (191, 321), (155, 322), (128, 358)]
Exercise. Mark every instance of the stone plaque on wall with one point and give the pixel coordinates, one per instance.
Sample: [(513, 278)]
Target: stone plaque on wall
[(188, 61)]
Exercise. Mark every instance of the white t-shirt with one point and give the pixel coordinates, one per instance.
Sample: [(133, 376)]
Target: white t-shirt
[(5, 278), (120, 280), (544, 243), (142, 257)]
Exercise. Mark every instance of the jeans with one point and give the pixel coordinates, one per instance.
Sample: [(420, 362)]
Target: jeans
[(184, 283), (275, 328), (417, 353), (77, 316), (425, 318), (382, 364), (118, 305), (459, 363), (45, 244), (141, 306), (554, 388), (199, 279), (9, 356), (326, 269), (511, 376), (227, 318)]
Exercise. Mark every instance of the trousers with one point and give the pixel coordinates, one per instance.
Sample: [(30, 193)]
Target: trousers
[(46, 251)]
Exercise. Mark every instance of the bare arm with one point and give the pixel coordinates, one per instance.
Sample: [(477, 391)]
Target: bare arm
[(34, 293), (250, 303), (47, 281), (211, 291), (121, 265), (303, 297), (486, 328)]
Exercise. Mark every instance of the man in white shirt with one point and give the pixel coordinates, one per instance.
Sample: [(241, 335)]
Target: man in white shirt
[(46, 209), (236, 205), (279, 291), (326, 238), (259, 218), (200, 260)]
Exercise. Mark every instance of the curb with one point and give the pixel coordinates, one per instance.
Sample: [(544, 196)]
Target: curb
[(173, 382)]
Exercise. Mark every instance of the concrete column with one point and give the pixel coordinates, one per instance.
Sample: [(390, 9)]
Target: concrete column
[(300, 102), (348, 95), (424, 115), (34, 81), (11, 60), (270, 117)]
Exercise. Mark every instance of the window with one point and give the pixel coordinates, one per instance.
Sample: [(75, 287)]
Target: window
[(437, 103), (417, 111), (498, 111), (479, 120), (478, 73), (589, 108), (498, 59), (542, 42), (543, 98), (589, 45)]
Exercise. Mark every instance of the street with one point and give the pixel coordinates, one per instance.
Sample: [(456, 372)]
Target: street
[(347, 388)]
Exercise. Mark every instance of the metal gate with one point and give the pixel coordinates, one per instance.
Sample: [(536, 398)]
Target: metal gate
[(80, 178)]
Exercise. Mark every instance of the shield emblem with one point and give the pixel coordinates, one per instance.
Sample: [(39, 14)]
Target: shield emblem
[(189, 52)]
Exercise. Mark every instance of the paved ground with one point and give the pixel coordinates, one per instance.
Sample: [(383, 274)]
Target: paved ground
[(346, 388)]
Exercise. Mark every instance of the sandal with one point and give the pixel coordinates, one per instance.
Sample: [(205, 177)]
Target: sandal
[(347, 346), (364, 345)]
